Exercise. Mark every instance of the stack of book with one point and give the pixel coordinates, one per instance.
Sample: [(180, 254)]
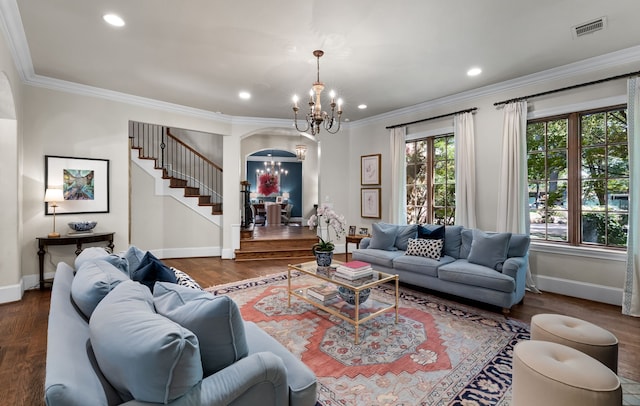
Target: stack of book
[(322, 293), (354, 270)]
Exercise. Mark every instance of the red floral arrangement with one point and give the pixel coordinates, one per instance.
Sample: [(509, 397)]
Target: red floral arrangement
[(268, 184)]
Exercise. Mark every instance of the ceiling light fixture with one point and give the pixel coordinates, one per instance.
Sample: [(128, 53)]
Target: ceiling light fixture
[(272, 167), (244, 95), (316, 117), (113, 19), (474, 72)]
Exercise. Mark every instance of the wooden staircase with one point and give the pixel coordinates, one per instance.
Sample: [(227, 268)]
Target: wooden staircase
[(180, 164)]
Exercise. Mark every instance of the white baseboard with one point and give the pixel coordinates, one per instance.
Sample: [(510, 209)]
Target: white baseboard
[(11, 293), (187, 252), (582, 290), (228, 253)]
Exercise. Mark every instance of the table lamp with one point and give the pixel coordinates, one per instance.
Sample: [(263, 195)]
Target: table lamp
[(53, 196), (285, 197)]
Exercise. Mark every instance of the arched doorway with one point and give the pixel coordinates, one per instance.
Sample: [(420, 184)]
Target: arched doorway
[(255, 146), (9, 182)]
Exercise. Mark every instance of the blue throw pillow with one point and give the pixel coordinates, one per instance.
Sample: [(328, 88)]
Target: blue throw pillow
[(152, 270), (133, 255), (489, 250), (215, 320), (432, 232), (403, 235), (384, 236)]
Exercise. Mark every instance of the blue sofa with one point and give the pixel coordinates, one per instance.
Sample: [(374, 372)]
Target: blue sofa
[(114, 341), (485, 267)]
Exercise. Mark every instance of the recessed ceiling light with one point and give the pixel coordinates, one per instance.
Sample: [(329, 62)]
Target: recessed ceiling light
[(362, 106), (244, 95), (113, 19), (474, 72)]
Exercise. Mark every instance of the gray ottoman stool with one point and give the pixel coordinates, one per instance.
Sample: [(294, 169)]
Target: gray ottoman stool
[(551, 374), (579, 334)]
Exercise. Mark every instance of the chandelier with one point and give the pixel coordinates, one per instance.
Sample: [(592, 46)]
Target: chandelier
[(317, 118), (273, 168)]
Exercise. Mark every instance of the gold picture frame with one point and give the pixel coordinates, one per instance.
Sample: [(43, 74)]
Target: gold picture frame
[(370, 168)]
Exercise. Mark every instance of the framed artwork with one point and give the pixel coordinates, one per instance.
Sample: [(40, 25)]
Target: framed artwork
[(352, 230), (370, 167), (84, 183), (278, 199), (370, 202), (364, 231), (268, 184)]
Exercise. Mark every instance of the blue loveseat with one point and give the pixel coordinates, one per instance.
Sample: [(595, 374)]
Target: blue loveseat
[(485, 267), (114, 341)]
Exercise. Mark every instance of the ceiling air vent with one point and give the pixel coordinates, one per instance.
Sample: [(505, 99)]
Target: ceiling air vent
[(589, 27)]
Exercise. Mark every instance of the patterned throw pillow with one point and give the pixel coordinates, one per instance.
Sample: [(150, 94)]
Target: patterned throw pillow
[(425, 248), (185, 280)]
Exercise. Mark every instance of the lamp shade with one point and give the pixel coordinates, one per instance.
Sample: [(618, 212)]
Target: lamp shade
[(285, 195), (53, 195)]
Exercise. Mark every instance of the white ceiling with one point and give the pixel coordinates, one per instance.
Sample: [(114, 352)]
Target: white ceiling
[(386, 54)]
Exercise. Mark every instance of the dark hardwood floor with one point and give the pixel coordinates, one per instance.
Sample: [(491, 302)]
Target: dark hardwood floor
[(24, 324)]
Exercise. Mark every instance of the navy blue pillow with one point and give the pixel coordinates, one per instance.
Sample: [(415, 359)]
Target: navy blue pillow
[(432, 232), (152, 270)]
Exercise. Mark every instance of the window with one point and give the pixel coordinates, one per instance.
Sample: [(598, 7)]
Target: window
[(431, 180), (578, 168)]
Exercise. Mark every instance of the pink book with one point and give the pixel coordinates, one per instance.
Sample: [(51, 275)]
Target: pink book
[(357, 265)]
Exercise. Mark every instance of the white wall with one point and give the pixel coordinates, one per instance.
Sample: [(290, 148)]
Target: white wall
[(11, 95), (166, 226), (68, 124)]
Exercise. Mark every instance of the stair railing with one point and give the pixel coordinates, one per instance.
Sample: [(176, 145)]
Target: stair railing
[(177, 159)]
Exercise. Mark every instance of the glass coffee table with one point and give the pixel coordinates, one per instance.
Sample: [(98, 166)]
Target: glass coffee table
[(355, 313)]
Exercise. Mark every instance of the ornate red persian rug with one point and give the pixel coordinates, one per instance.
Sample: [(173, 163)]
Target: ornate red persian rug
[(438, 353)]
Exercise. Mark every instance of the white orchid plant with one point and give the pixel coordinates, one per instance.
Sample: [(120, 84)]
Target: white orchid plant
[(332, 220)]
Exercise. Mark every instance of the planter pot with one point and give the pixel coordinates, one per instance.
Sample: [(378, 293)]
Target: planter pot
[(323, 258), (349, 295)]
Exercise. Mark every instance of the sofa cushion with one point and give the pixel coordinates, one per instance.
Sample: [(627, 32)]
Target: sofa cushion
[(452, 241), (151, 270), (377, 257), (215, 320), (420, 265), (466, 273), (184, 279), (421, 247), (466, 238), (432, 232), (133, 255), (384, 236), (403, 234), (489, 249), (518, 245), (92, 282), (89, 254), (144, 355)]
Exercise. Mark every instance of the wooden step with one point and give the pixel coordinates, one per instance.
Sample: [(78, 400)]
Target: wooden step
[(294, 254)]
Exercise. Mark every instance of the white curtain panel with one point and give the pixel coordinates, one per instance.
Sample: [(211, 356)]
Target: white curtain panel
[(631, 295), (398, 206), (512, 185), (513, 210), (465, 170)]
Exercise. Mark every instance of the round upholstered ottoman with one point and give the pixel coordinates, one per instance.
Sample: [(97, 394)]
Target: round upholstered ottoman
[(552, 374), (579, 334)]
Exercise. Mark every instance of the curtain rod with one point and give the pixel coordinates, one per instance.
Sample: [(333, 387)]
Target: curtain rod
[(432, 118), (595, 82)]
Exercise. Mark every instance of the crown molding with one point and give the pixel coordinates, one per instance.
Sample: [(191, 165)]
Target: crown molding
[(11, 25), (595, 64)]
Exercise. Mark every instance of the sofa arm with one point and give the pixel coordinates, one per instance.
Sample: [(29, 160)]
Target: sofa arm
[(515, 267), (258, 379), (364, 243)]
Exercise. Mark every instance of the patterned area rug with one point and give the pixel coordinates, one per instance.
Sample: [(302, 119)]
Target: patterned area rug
[(439, 353)]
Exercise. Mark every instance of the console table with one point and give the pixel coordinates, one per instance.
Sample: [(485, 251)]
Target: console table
[(76, 240), (356, 238)]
